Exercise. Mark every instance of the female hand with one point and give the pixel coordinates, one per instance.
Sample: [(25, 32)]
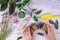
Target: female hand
[(27, 34), (50, 32)]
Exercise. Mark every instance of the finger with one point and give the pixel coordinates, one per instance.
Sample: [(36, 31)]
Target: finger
[(47, 25), (48, 28), (45, 28), (29, 29), (24, 32), (45, 34)]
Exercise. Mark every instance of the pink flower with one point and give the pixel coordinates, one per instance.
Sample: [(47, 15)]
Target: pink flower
[(4, 15), (15, 19)]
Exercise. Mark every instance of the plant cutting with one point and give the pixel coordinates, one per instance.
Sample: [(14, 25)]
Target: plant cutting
[(55, 23), (40, 34), (11, 5), (21, 14), (36, 12), (19, 38), (5, 30), (21, 7)]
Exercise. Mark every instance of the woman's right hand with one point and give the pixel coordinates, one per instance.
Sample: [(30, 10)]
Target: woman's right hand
[(50, 32)]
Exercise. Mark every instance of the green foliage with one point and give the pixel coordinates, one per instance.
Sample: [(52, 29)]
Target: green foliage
[(4, 1), (35, 18), (39, 11), (51, 22), (33, 9), (31, 14), (19, 5), (4, 29), (19, 38), (55, 23), (18, 0), (21, 14), (25, 2), (12, 8), (12, 5), (40, 34), (3, 6)]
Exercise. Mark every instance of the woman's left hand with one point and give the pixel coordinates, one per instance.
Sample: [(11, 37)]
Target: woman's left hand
[(27, 34)]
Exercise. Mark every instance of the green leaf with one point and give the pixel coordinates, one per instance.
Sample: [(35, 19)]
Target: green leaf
[(56, 25), (21, 14), (12, 8), (3, 6), (25, 2), (57, 21), (51, 22), (33, 9), (4, 1), (40, 34), (20, 8), (38, 12), (31, 14), (18, 0), (19, 5), (35, 18), (19, 38)]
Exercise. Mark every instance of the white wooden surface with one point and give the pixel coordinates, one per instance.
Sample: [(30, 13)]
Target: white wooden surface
[(35, 4)]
